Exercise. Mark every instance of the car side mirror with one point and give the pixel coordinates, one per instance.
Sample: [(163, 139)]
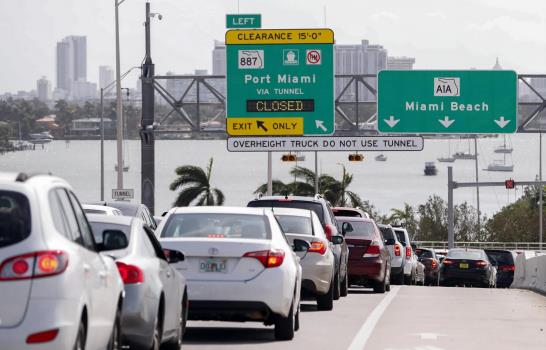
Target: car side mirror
[(173, 256), (337, 239), (346, 227), (113, 240), (390, 241), (299, 245)]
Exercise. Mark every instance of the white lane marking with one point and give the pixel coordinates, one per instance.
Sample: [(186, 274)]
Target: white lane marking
[(361, 338), (429, 336)]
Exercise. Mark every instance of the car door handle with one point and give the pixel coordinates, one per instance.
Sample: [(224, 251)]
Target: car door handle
[(86, 268), (102, 274), (168, 273)]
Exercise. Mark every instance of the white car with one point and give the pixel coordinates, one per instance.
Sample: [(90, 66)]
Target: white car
[(101, 210), (409, 269), (399, 262), (318, 262), (57, 292), (238, 265)]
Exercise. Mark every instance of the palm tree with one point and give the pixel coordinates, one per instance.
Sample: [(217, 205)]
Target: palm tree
[(279, 188), (194, 185)]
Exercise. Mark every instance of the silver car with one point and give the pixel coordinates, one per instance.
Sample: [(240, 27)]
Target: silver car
[(155, 307), (318, 262)]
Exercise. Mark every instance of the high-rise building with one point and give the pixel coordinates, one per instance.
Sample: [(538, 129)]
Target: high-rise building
[(43, 89), (400, 63), (219, 58), (358, 59), (106, 76), (71, 61)]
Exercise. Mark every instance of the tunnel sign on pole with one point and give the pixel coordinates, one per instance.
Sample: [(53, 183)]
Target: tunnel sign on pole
[(447, 102), (280, 82)]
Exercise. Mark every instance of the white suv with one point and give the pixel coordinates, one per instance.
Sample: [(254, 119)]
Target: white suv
[(57, 292), (410, 268)]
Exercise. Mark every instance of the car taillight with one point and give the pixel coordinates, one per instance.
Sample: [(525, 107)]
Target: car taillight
[(481, 263), (34, 265), (408, 252), (433, 264), (397, 249), (130, 274), (447, 262), (372, 251), (317, 247), (42, 337), (507, 268), (329, 231), (268, 258)]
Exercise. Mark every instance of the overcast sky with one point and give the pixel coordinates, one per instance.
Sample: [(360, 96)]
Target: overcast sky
[(450, 34)]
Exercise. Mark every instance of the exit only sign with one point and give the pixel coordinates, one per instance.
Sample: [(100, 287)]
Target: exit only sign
[(247, 21)]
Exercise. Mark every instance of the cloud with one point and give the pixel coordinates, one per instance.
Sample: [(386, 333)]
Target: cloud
[(438, 15), (385, 15), (523, 31)]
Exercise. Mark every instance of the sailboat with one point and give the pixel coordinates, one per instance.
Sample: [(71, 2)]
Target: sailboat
[(449, 158), (463, 155), (499, 165), (504, 148), (381, 158)]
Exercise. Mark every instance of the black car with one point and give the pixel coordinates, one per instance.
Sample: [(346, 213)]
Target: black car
[(134, 210), (323, 209), (468, 267), (505, 263), (432, 265)]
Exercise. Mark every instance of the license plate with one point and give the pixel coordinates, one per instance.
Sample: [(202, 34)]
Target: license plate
[(463, 266), (213, 265)]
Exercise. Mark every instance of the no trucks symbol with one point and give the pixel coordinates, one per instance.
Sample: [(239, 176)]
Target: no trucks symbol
[(313, 57)]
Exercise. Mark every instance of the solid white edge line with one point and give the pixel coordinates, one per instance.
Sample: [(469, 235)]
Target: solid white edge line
[(361, 338)]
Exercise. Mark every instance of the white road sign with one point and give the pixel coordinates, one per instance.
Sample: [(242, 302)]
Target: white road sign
[(325, 144), (123, 194)]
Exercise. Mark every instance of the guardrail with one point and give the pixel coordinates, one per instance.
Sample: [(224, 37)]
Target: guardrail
[(532, 246)]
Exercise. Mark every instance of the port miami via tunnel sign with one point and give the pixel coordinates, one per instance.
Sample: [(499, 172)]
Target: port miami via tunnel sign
[(447, 102), (280, 82)]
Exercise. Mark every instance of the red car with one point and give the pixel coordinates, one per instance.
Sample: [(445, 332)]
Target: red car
[(369, 260)]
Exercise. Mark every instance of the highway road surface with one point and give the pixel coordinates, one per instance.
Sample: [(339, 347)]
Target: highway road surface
[(407, 318)]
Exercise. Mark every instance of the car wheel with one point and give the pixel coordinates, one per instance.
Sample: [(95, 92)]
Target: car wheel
[(408, 279), (176, 343), (156, 341), (80, 338), (388, 277), (344, 286), (337, 287), (326, 302), (380, 286), (399, 279), (115, 338), (284, 326), (297, 321)]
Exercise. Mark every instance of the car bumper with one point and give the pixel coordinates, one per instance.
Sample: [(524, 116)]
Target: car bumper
[(431, 275), (505, 279), (138, 315), (470, 276), (317, 273), (43, 315), (273, 287), (367, 269)]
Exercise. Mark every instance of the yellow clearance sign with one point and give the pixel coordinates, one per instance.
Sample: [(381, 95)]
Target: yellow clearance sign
[(264, 126), (280, 36)]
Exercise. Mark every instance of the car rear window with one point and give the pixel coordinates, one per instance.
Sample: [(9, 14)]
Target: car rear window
[(423, 253), (388, 233), (359, 229), (462, 254), (295, 224), (502, 258), (99, 227), (314, 206), (14, 218), (401, 236), (94, 211), (216, 225), (346, 213)]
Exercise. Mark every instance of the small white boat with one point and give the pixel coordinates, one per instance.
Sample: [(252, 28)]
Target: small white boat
[(430, 169), (500, 166), (381, 158), (504, 148)]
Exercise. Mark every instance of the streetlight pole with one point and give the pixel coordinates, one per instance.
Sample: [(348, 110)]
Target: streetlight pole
[(540, 190), (119, 110)]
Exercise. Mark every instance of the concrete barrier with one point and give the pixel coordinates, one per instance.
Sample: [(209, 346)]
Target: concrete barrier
[(530, 272)]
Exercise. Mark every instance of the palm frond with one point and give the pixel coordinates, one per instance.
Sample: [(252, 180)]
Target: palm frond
[(219, 196), (187, 195)]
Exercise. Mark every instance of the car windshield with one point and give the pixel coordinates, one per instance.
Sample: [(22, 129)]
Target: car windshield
[(501, 257), (423, 253), (217, 225), (347, 213), (295, 224), (99, 227), (314, 206), (362, 229), (465, 254), (14, 218)]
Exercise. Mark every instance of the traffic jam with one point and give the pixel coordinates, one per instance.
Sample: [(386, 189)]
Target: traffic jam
[(109, 275)]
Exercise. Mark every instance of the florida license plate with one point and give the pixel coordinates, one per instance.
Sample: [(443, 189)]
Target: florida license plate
[(463, 266), (213, 265)]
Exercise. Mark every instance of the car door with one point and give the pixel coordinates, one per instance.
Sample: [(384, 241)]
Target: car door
[(171, 286), (101, 306)]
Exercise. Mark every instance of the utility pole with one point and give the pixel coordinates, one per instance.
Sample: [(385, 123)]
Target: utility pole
[(540, 190), (450, 217), (269, 174), (477, 181), (119, 109), (101, 144), (147, 141)]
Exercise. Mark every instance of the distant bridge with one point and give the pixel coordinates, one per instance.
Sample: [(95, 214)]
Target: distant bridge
[(533, 246)]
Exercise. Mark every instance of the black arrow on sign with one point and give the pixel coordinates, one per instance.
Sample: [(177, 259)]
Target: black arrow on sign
[(260, 124)]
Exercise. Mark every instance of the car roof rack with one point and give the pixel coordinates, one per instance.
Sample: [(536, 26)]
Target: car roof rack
[(23, 177), (318, 196)]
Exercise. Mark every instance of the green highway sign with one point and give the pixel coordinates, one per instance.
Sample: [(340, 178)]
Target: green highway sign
[(244, 21), (280, 82), (447, 102)]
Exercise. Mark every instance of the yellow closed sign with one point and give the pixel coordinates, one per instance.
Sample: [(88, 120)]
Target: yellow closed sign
[(279, 36), (264, 126)]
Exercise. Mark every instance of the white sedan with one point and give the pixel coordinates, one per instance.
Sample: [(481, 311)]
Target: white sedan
[(238, 266)]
